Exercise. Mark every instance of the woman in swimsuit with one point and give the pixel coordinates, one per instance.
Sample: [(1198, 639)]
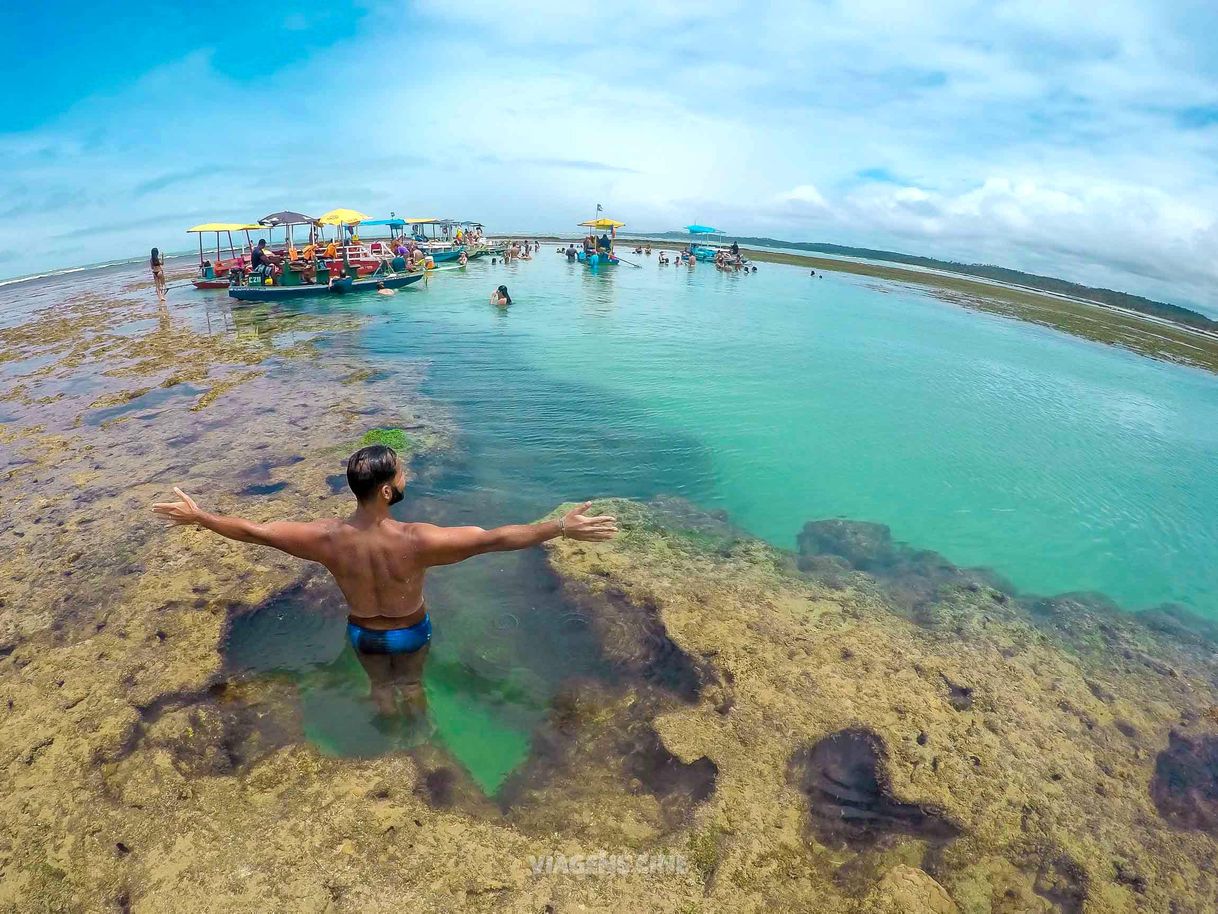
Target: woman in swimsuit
[(157, 263)]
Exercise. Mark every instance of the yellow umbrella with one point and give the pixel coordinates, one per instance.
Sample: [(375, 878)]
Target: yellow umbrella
[(224, 227), (420, 221), (603, 223), (342, 217)]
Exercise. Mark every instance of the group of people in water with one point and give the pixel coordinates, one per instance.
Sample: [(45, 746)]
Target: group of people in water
[(520, 250)]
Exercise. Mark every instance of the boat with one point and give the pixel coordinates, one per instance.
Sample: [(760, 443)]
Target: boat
[(709, 243), (338, 286), (213, 274), (598, 258), (437, 237)]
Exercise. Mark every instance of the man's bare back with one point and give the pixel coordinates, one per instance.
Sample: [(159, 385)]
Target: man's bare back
[(380, 563)]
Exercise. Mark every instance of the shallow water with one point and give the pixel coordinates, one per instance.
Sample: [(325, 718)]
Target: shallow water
[(1061, 464)]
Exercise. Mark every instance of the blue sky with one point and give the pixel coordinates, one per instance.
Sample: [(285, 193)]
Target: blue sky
[(1021, 133)]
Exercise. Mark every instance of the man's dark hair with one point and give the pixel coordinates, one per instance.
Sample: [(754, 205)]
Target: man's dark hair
[(371, 467)]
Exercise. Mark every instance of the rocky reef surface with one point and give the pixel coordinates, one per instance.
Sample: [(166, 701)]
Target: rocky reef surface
[(857, 726)]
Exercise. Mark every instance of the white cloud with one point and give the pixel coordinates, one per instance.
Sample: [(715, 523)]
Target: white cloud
[(1016, 132)]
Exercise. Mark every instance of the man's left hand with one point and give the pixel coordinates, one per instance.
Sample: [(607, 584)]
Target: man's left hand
[(179, 512)]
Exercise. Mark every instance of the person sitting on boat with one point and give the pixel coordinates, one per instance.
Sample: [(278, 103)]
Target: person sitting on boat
[(264, 262), (500, 297), (604, 244), (735, 249), (305, 263)]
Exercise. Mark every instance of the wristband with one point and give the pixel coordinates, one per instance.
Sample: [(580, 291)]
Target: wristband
[(562, 527)]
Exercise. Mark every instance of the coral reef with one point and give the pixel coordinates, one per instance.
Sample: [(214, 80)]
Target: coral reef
[(858, 727)]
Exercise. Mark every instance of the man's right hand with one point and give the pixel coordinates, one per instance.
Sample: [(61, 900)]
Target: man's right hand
[(578, 526)]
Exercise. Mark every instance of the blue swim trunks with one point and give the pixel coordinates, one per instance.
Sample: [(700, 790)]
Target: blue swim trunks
[(393, 641)]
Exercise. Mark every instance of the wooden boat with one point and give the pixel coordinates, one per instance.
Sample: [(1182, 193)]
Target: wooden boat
[(437, 238), (213, 274), (338, 286), (600, 258)]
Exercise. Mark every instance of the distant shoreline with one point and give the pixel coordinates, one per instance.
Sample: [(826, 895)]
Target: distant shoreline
[(1146, 334)]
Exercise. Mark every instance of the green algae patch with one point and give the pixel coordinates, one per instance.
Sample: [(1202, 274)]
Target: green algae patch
[(395, 438)]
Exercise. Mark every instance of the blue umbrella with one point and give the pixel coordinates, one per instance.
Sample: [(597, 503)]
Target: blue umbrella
[(702, 230)]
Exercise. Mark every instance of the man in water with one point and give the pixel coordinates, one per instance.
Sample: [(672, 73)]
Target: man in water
[(379, 563)]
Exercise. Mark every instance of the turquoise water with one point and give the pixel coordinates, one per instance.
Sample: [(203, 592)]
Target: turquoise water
[(1061, 464)]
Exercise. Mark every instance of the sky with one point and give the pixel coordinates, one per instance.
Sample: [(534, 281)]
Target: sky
[(1073, 141)]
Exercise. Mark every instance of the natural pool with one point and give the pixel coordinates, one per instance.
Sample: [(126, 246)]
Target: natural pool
[(1063, 465)]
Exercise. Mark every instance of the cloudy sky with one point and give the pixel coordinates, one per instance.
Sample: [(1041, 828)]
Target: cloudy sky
[(1069, 140)]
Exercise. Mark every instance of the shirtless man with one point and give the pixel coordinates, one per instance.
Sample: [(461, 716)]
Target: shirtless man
[(379, 563)]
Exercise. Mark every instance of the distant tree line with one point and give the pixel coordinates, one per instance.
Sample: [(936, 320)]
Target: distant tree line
[(998, 274)]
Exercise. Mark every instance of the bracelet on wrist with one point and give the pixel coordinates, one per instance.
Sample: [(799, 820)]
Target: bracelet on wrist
[(562, 527)]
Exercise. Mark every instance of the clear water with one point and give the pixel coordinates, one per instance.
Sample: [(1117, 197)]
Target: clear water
[(1062, 464)]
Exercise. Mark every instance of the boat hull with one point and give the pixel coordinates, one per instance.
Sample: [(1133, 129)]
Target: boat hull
[(278, 293), (596, 260), (445, 256)]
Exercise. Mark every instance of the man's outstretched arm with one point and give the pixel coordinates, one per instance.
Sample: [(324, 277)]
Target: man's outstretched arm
[(446, 545), (306, 541)]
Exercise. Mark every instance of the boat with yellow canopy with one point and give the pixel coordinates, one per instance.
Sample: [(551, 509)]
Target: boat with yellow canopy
[(213, 274), (595, 252)]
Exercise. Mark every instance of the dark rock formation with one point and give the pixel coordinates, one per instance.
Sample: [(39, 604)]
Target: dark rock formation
[(849, 798)]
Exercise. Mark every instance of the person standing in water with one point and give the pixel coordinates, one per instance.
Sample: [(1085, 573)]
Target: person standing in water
[(157, 264), (500, 297), (380, 563)]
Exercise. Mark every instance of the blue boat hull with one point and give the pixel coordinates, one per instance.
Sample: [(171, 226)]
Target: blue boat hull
[(595, 259), (347, 284), (446, 256)]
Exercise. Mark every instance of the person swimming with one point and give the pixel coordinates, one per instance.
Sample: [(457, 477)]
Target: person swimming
[(381, 290), (380, 564), (500, 297)]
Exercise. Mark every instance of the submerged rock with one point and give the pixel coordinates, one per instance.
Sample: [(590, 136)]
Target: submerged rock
[(1185, 783), (849, 798), (911, 578)]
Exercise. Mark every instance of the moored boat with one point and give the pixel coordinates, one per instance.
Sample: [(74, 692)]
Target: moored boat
[(340, 285), (708, 244), (437, 237), (214, 274), (596, 252)]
